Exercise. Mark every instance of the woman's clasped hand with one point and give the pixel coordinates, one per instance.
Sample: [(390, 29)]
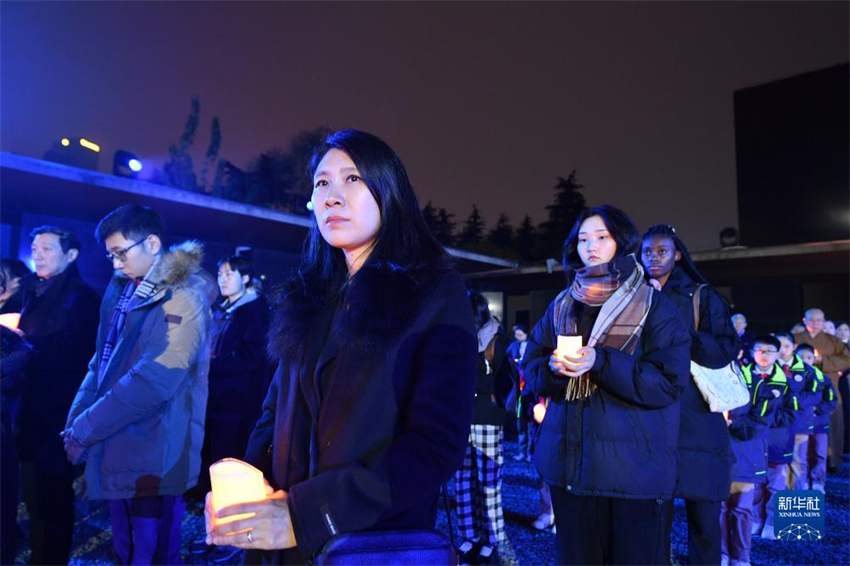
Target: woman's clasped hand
[(573, 367), (269, 527)]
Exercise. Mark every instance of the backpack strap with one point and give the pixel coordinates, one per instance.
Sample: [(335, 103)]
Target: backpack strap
[(696, 305)]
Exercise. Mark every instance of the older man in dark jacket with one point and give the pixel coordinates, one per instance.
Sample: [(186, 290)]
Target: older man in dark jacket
[(59, 318)]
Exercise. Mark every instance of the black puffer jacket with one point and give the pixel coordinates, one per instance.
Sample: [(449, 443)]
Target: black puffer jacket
[(621, 441), (703, 458)]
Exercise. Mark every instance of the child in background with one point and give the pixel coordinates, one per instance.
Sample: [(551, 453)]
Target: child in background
[(807, 384), (748, 426), (780, 438), (819, 439)]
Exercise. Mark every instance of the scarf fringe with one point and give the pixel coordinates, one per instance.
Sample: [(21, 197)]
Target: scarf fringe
[(579, 388)]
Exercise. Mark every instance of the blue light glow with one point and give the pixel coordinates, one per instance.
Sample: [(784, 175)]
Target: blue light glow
[(134, 165)]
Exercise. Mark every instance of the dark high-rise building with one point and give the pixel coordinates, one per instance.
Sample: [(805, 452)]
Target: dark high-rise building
[(793, 159)]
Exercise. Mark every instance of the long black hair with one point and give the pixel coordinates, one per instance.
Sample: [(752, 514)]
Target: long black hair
[(403, 241), (480, 308), (686, 263), (619, 225)]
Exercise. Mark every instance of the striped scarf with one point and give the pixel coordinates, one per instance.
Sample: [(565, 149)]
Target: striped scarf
[(130, 296), (617, 286)]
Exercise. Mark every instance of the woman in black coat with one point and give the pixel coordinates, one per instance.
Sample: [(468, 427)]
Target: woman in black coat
[(703, 460), (607, 445), (369, 411)]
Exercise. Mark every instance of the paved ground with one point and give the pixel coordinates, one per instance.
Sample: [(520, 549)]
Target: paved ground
[(526, 546)]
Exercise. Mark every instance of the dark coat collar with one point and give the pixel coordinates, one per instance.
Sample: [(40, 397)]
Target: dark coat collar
[(681, 282), (380, 304)]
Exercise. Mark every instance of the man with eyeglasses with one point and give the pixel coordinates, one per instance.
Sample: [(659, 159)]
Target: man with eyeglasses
[(138, 417), (59, 319)]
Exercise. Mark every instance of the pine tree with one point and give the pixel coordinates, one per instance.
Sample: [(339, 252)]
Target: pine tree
[(502, 234), (429, 214), (473, 228), (179, 171), (445, 231), (525, 241), (211, 157), (568, 204)]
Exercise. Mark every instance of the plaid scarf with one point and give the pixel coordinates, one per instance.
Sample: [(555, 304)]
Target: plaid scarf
[(130, 297), (617, 286)]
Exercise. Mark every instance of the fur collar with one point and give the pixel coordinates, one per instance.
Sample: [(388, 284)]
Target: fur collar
[(174, 267), (380, 304)]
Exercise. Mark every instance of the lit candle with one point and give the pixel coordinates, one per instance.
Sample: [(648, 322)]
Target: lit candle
[(10, 320), (539, 412), (234, 481), (568, 346)]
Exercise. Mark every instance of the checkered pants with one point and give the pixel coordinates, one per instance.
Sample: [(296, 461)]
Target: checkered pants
[(479, 487)]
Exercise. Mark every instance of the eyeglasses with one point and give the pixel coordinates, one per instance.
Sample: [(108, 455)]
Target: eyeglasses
[(121, 255), (766, 352)]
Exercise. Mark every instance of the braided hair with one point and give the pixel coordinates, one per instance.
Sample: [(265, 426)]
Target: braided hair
[(685, 262)]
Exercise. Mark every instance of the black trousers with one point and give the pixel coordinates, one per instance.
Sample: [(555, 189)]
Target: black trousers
[(608, 530), (50, 504), (703, 531)]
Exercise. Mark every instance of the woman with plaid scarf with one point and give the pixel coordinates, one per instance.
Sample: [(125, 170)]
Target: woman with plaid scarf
[(607, 446)]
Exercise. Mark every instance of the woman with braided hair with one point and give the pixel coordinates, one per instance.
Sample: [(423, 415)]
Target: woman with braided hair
[(703, 459), (607, 446)]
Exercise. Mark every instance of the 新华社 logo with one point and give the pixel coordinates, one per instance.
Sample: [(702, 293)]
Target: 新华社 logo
[(799, 515)]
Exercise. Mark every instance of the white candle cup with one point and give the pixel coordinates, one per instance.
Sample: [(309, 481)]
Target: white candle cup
[(234, 481), (10, 320), (568, 346)]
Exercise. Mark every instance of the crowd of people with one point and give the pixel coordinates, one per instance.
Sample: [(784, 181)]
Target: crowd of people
[(373, 376)]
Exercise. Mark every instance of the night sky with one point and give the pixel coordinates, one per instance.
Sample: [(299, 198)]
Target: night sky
[(486, 103)]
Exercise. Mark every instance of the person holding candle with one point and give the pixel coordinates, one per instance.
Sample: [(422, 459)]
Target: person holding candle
[(16, 271), (703, 458), (14, 353), (370, 408), (607, 446)]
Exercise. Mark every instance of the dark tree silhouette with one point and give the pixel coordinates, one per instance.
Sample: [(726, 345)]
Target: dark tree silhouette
[(569, 202), (445, 232), (473, 228), (526, 236), (502, 234), (179, 171), (211, 158), (429, 213)]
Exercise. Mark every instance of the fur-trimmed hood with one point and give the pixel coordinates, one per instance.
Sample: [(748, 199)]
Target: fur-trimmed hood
[(180, 267), (173, 268), (381, 303)]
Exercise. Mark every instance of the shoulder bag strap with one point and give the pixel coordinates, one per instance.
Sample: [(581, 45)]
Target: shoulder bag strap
[(696, 305)]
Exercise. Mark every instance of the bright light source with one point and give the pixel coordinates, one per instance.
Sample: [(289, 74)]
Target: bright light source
[(66, 142), (310, 205), (135, 165), (89, 145)]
